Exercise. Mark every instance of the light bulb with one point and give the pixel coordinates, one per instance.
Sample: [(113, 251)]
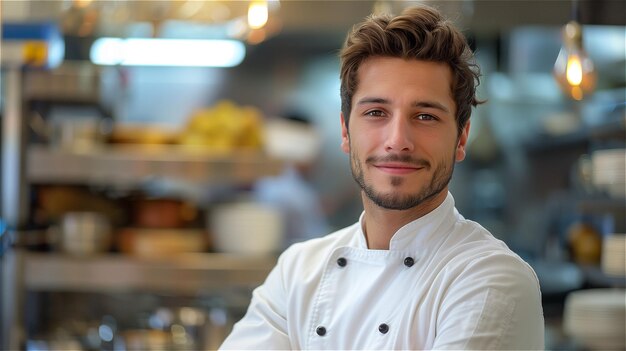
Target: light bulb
[(258, 14), (573, 69)]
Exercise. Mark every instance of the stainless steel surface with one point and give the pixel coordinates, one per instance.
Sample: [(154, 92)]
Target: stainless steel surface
[(13, 135), (72, 81), (11, 302), (188, 326), (132, 165), (182, 274), (13, 206)]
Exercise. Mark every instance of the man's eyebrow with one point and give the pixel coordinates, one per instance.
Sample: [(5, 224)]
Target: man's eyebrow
[(372, 100), (431, 104), (421, 104)]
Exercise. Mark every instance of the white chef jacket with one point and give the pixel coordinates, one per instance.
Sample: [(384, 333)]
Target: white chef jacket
[(444, 283)]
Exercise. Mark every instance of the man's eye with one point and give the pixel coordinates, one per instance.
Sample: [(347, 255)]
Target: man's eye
[(426, 117), (375, 113)]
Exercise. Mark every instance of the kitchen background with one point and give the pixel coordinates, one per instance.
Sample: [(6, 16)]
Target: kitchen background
[(142, 202)]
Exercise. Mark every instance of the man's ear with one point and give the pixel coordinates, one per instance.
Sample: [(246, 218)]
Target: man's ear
[(345, 138), (460, 148)]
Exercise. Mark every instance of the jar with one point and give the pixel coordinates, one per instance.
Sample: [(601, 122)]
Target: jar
[(585, 243)]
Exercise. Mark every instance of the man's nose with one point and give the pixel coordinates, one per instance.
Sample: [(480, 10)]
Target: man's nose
[(399, 136)]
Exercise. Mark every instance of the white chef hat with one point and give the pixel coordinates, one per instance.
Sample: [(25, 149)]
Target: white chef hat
[(291, 140)]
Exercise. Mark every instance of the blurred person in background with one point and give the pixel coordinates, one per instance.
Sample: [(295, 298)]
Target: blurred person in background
[(412, 273), (295, 140)]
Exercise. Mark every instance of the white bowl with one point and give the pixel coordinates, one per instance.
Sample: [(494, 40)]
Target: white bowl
[(246, 228)]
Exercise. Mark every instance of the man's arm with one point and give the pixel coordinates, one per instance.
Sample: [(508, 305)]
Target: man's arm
[(264, 325), (494, 304)]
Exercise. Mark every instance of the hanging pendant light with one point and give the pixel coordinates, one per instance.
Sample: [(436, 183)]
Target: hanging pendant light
[(258, 13), (573, 69)]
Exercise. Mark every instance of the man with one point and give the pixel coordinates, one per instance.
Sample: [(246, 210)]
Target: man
[(412, 273)]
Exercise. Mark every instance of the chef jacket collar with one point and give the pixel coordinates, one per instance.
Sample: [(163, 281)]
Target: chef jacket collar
[(421, 233)]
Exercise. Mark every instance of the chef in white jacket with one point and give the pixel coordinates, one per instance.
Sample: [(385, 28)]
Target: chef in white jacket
[(412, 273)]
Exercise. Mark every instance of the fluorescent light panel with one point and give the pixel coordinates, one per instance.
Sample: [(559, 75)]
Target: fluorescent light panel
[(167, 52)]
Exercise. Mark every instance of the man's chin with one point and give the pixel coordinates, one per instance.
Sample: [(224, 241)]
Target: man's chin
[(394, 200)]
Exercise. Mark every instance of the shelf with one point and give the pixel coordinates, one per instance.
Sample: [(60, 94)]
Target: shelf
[(64, 99), (133, 165), (615, 129), (601, 204), (596, 277), (183, 274)]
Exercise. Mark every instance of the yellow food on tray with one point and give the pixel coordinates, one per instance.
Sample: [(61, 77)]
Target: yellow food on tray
[(224, 127)]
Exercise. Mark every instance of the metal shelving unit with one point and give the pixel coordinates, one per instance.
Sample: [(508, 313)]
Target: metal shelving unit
[(132, 165), (128, 166), (186, 274)]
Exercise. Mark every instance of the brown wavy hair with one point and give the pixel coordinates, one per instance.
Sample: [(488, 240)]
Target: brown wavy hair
[(421, 33)]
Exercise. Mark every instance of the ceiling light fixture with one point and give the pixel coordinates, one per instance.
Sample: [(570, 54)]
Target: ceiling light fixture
[(167, 52)]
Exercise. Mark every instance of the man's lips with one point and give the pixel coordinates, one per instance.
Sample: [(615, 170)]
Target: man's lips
[(397, 168)]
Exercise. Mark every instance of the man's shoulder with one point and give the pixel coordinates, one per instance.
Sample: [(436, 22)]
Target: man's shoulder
[(477, 251), (473, 237)]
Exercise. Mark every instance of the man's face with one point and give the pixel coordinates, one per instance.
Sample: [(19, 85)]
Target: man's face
[(402, 138)]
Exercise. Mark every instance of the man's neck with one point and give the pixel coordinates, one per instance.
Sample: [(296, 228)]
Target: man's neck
[(380, 224)]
